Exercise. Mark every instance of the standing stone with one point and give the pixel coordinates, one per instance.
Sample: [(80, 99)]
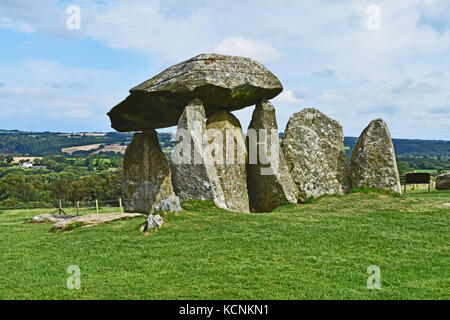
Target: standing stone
[(313, 145), (226, 151), (147, 178), (193, 176), (269, 181), (373, 161), (443, 182)]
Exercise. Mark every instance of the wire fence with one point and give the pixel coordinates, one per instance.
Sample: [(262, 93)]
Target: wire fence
[(76, 207), (85, 205)]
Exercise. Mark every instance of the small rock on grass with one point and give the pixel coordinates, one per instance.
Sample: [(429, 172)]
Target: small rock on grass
[(153, 222)]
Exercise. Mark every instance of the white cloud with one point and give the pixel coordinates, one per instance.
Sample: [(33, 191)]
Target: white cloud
[(76, 113), (321, 45), (8, 23), (43, 16), (332, 97), (257, 50), (140, 25), (288, 97), (20, 91), (439, 110), (70, 104), (28, 91), (435, 14)]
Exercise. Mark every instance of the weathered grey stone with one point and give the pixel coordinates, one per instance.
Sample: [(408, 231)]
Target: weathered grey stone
[(373, 161), (171, 204), (193, 176), (268, 178), (221, 82), (443, 182), (227, 153), (313, 145), (90, 220), (146, 173), (153, 222), (47, 217)]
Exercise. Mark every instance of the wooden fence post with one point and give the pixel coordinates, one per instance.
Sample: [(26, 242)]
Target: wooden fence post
[(96, 205), (78, 207), (120, 204)]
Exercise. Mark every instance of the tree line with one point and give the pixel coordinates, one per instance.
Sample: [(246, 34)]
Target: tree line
[(50, 143), (66, 179)]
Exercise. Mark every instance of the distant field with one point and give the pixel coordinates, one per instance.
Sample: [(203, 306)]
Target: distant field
[(83, 134), (18, 159), (13, 142), (319, 250), (71, 150), (117, 148)]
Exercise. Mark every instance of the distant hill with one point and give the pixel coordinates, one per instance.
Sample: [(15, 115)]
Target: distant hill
[(412, 148), (39, 144), (414, 154), (51, 143)]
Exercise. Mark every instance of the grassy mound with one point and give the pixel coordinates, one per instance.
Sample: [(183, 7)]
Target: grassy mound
[(317, 250)]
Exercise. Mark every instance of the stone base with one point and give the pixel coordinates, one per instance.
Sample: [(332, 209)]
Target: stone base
[(146, 174)]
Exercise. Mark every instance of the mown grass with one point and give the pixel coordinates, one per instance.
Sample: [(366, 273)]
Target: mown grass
[(318, 250)]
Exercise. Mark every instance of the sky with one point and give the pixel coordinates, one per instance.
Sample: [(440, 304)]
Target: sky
[(354, 60)]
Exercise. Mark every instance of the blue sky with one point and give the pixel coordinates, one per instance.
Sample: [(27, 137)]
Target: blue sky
[(326, 53)]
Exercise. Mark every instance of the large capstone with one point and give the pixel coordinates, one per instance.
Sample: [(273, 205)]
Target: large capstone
[(443, 182), (146, 173), (373, 161), (221, 82), (268, 178), (227, 153), (194, 176), (313, 145)]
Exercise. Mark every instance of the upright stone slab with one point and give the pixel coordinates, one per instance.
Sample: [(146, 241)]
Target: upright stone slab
[(226, 151), (443, 182), (193, 176), (373, 161), (268, 178), (313, 145), (146, 172)]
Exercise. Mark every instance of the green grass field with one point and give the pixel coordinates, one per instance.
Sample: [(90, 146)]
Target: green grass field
[(318, 250)]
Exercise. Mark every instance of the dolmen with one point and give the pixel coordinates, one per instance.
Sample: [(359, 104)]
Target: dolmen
[(210, 158), (214, 161)]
